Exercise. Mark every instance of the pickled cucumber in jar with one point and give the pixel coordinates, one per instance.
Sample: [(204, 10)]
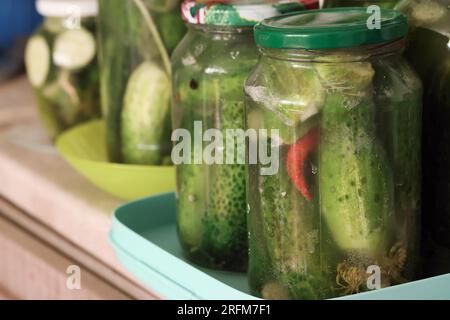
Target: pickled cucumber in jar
[(342, 214), (210, 67), (136, 40), (62, 66)]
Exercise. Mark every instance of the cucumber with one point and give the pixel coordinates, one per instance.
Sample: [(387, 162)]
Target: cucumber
[(399, 115), (218, 102), (355, 185), (225, 233), (74, 49), (37, 60), (125, 43), (146, 110), (116, 64), (290, 234), (191, 205), (302, 98)]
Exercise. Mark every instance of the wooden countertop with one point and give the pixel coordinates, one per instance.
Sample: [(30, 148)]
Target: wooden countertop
[(37, 180)]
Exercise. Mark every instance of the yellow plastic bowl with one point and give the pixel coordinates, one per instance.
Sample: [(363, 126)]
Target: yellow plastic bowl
[(84, 148)]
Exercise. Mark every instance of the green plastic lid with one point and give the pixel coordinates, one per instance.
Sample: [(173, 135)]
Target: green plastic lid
[(331, 29), (239, 13)]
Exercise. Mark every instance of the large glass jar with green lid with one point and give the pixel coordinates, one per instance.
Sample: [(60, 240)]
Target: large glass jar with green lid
[(342, 214), (209, 69)]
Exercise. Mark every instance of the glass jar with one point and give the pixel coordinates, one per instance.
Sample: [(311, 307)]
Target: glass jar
[(210, 66), (62, 66), (341, 215), (387, 4), (136, 39), (429, 52)]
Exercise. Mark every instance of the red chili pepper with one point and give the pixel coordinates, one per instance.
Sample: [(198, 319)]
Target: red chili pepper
[(296, 160)]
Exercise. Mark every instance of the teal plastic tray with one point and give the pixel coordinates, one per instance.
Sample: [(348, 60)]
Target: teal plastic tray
[(145, 240)]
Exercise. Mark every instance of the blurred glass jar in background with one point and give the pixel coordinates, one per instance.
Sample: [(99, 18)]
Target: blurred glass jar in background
[(136, 38), (429, 52), (62, 66)]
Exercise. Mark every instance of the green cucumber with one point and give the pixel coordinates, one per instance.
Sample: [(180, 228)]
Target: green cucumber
[(290, 235), (145, 113), (191, 206), (225, 235), (225, 222), (356, 187), (281, 210), (354, 178), (37, 60), (74, 49), (399, 115), (116, 64), (124, 44)]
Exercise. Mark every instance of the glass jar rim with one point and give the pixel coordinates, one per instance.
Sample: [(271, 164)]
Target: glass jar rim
[(207, 28), (354, 54)]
